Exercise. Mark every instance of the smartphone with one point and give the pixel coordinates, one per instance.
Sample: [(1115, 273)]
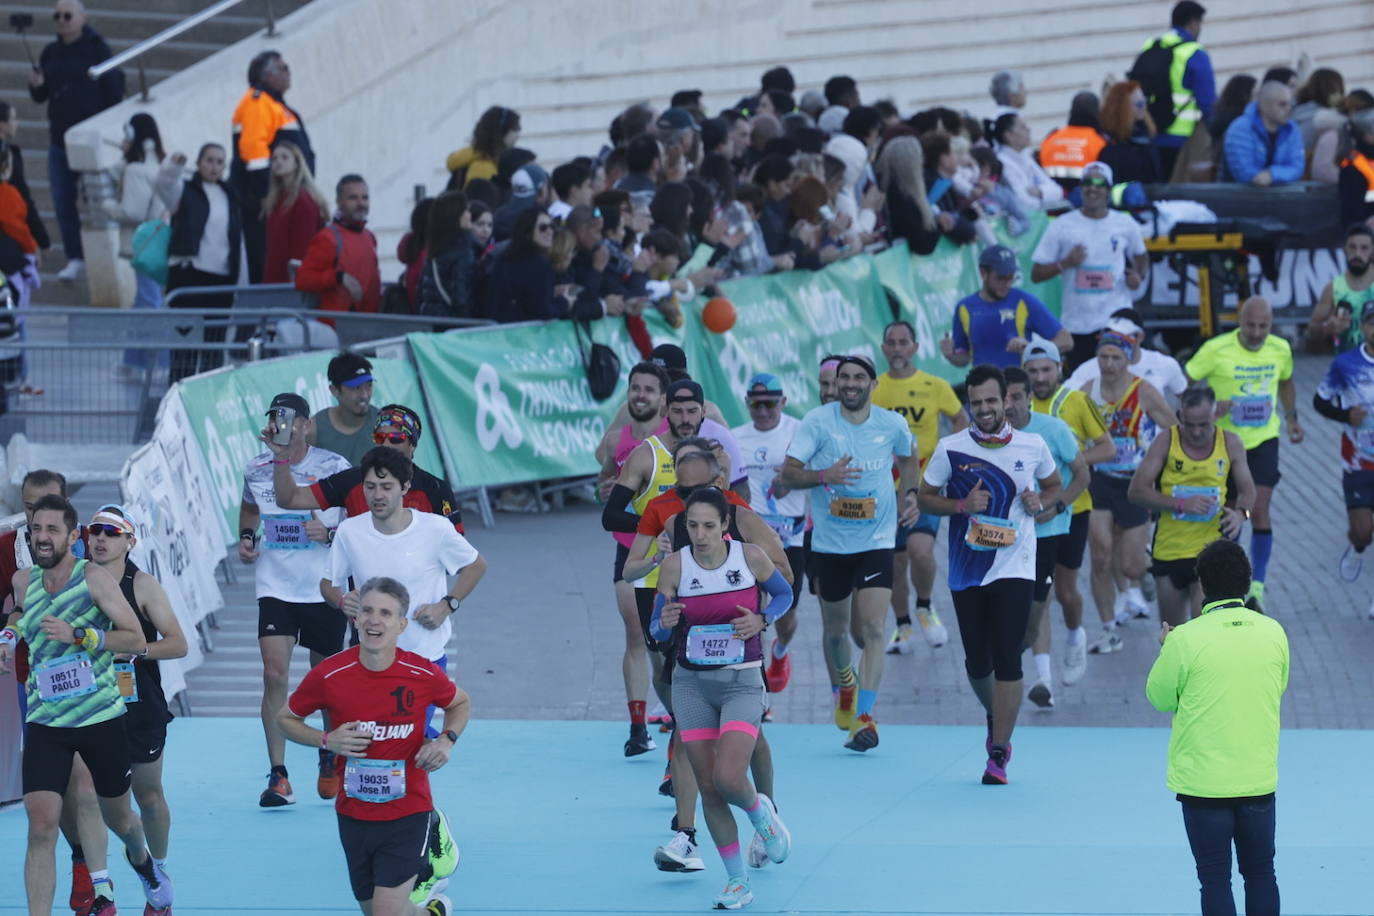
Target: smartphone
[(282, 419), (20, 21)]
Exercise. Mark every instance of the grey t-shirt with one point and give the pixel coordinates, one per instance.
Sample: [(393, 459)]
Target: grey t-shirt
[(351, 445)]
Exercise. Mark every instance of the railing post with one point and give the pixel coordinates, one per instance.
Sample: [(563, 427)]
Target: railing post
[(271, 21), (142, 81)]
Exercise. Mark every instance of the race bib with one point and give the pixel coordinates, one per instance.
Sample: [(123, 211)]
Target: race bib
[(128, 683), (786, 526), (285, 532), (714, 644), (1183, 492), (1094, 279), (374, 781), (1364, 440), (1126, 459), (1254, 410), (854, 508), (988, 532), (65, 677)]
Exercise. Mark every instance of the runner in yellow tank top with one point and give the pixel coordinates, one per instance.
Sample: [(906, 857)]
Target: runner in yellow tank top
[(1184, 476)]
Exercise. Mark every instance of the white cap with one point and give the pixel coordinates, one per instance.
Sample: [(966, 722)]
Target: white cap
[(1040, 348)]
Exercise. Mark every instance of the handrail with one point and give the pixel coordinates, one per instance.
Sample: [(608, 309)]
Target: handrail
[(167, 34)]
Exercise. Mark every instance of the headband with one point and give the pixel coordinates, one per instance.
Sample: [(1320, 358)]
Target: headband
[(113, 514), (404, 417), (1113, 339), (860, 361), (832, 364)]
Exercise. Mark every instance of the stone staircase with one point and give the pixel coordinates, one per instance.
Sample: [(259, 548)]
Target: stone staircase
[(123, 23)]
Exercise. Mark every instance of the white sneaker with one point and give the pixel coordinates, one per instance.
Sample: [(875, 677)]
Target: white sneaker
[(900, 643), (757, 856), (1109, 641), (1352, 564), (1041, 695), (1075, 663), (931, 628), (1136, 605), (73, 271), (680, 854)]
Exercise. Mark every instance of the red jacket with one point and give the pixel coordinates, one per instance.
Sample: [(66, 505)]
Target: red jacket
[(289, 231), (341, 248)]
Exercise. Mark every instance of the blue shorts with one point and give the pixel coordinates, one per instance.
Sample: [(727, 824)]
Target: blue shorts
[(1359, 489), (928, 523)]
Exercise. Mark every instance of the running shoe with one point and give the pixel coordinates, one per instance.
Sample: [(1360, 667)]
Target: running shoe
[(680, 854), (901, 643), (665, 788), (1255, 600), (665, 725), (777, 839), (735, 895), (439, 905), (995, 773), (779, 671), (442, 851), (757, 854), (639, 741), (157, 886), (149, 910), (427, 885), (863, 736), (100, 906), (327, 785), (659, 715), (931, 628), (1136, 605), (83, 892), (844, 708), (1075, 663), (1351, 565), (1108, 642), (1041, 695), (277, 793)]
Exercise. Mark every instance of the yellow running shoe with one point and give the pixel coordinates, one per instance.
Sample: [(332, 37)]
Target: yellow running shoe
[(844, 708)]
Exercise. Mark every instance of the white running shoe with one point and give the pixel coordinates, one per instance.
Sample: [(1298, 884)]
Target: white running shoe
[(901, 642), (1075, 663), (931, 628), (680, 854), (777, 839), (1041, 695), (1109, 641), (1136, 604), (757, 856), (1351, 565), (1370, 614), (73, 271)]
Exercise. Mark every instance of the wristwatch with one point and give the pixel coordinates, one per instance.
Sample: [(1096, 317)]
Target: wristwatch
[(451, 735), (1059, 507), (78, 635), (453, 605)]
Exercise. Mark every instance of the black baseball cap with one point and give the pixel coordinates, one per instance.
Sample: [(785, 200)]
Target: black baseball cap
[(677, 119), (294, 401), (686, 390), (349, 370), (669, 356)]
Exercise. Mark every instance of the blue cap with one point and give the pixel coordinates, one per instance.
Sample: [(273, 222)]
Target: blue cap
[(1000, 260), (764, 383)]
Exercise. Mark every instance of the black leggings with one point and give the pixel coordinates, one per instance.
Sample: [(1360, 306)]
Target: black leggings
[(992, 626)]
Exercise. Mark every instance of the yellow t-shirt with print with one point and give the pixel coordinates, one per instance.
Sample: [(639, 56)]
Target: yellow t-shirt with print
[(1073, 407), (920, 399), (1248, 379)]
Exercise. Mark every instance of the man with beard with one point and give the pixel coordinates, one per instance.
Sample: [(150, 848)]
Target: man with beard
[(843, 453), (648, 383), (1335, 320), (74, 619), (986, 477), (346, 428), (1251, 371)]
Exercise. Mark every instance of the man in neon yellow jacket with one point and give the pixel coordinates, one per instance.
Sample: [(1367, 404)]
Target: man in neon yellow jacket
[(1223, 675)]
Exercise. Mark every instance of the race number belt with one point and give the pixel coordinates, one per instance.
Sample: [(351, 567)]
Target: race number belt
[(285, 532), (1254, 410), (1127, 456), (1183, 492), (65, 677), (128, 683), (854, 508), (374, 781), (714, 644), (988, 532)]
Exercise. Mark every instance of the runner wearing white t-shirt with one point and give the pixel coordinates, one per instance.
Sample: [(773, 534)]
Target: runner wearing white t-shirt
[(986, 477), (1101, 254), (418, 549), (763, 446), (290, 555)]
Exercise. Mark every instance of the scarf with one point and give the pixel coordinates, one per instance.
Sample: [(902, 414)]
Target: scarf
[(991, 440)]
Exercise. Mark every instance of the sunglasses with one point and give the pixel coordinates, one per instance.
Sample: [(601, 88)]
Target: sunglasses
[(1095, 182), (544, 227), (63, 17), (381, 438), (110, 531), (763, 403)]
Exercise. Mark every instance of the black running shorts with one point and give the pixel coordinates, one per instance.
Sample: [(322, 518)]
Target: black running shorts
[(48, 754), (1359, 489), (145, 730), (1046, 553), (841, 574), (1109, 494), (1073, 545), (1180, 573), (383, 853), (1263, 461), (317, 626)]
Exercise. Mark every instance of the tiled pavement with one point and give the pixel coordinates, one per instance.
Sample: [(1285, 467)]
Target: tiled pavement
[(540, 639)]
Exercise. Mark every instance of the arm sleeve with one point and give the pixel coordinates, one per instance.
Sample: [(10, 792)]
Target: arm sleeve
[(309, 696), (1327, 407), (656, 628), (317, 273), (616, 516), (779, 595), (1161, 687), (455, 551)]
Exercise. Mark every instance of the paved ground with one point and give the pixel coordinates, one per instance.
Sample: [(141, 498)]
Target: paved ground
[(540, 639)]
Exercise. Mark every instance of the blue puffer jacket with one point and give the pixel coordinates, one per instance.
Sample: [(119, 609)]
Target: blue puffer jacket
[(1247, 149)]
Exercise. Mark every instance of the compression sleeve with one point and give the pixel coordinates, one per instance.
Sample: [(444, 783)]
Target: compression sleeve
[(656, 628), (616, 516), (1329, 410), (780, 594)]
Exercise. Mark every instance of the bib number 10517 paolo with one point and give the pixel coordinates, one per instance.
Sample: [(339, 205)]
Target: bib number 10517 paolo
[(65, 677)]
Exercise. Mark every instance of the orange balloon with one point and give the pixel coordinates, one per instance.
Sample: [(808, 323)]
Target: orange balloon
[(718, 315)]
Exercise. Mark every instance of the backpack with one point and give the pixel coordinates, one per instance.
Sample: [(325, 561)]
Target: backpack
[(601, 363), (1151, 71), (394, 298)]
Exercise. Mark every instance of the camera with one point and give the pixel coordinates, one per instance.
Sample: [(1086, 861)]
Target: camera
[(21, 21), (282, 419)]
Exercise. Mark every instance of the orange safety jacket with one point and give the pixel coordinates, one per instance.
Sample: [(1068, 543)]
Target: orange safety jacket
[(260, 120), (1067, 150), (1362, 164)]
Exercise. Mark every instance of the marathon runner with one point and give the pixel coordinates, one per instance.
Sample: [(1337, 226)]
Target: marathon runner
[(1159, 369), (648, 384), (1346, 395), (346, 428), (1251, 371), (380, 695), (986, 477), (291, 556), (74, 619), (708, 608), (1196, 479), (112, 535), (1335, 320), (844, 453), (1051, 523), (1041, 360), (763, 445), (1118, 529), (921, 399)]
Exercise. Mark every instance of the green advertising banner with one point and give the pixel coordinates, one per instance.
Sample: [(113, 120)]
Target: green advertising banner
[(227, 409)]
